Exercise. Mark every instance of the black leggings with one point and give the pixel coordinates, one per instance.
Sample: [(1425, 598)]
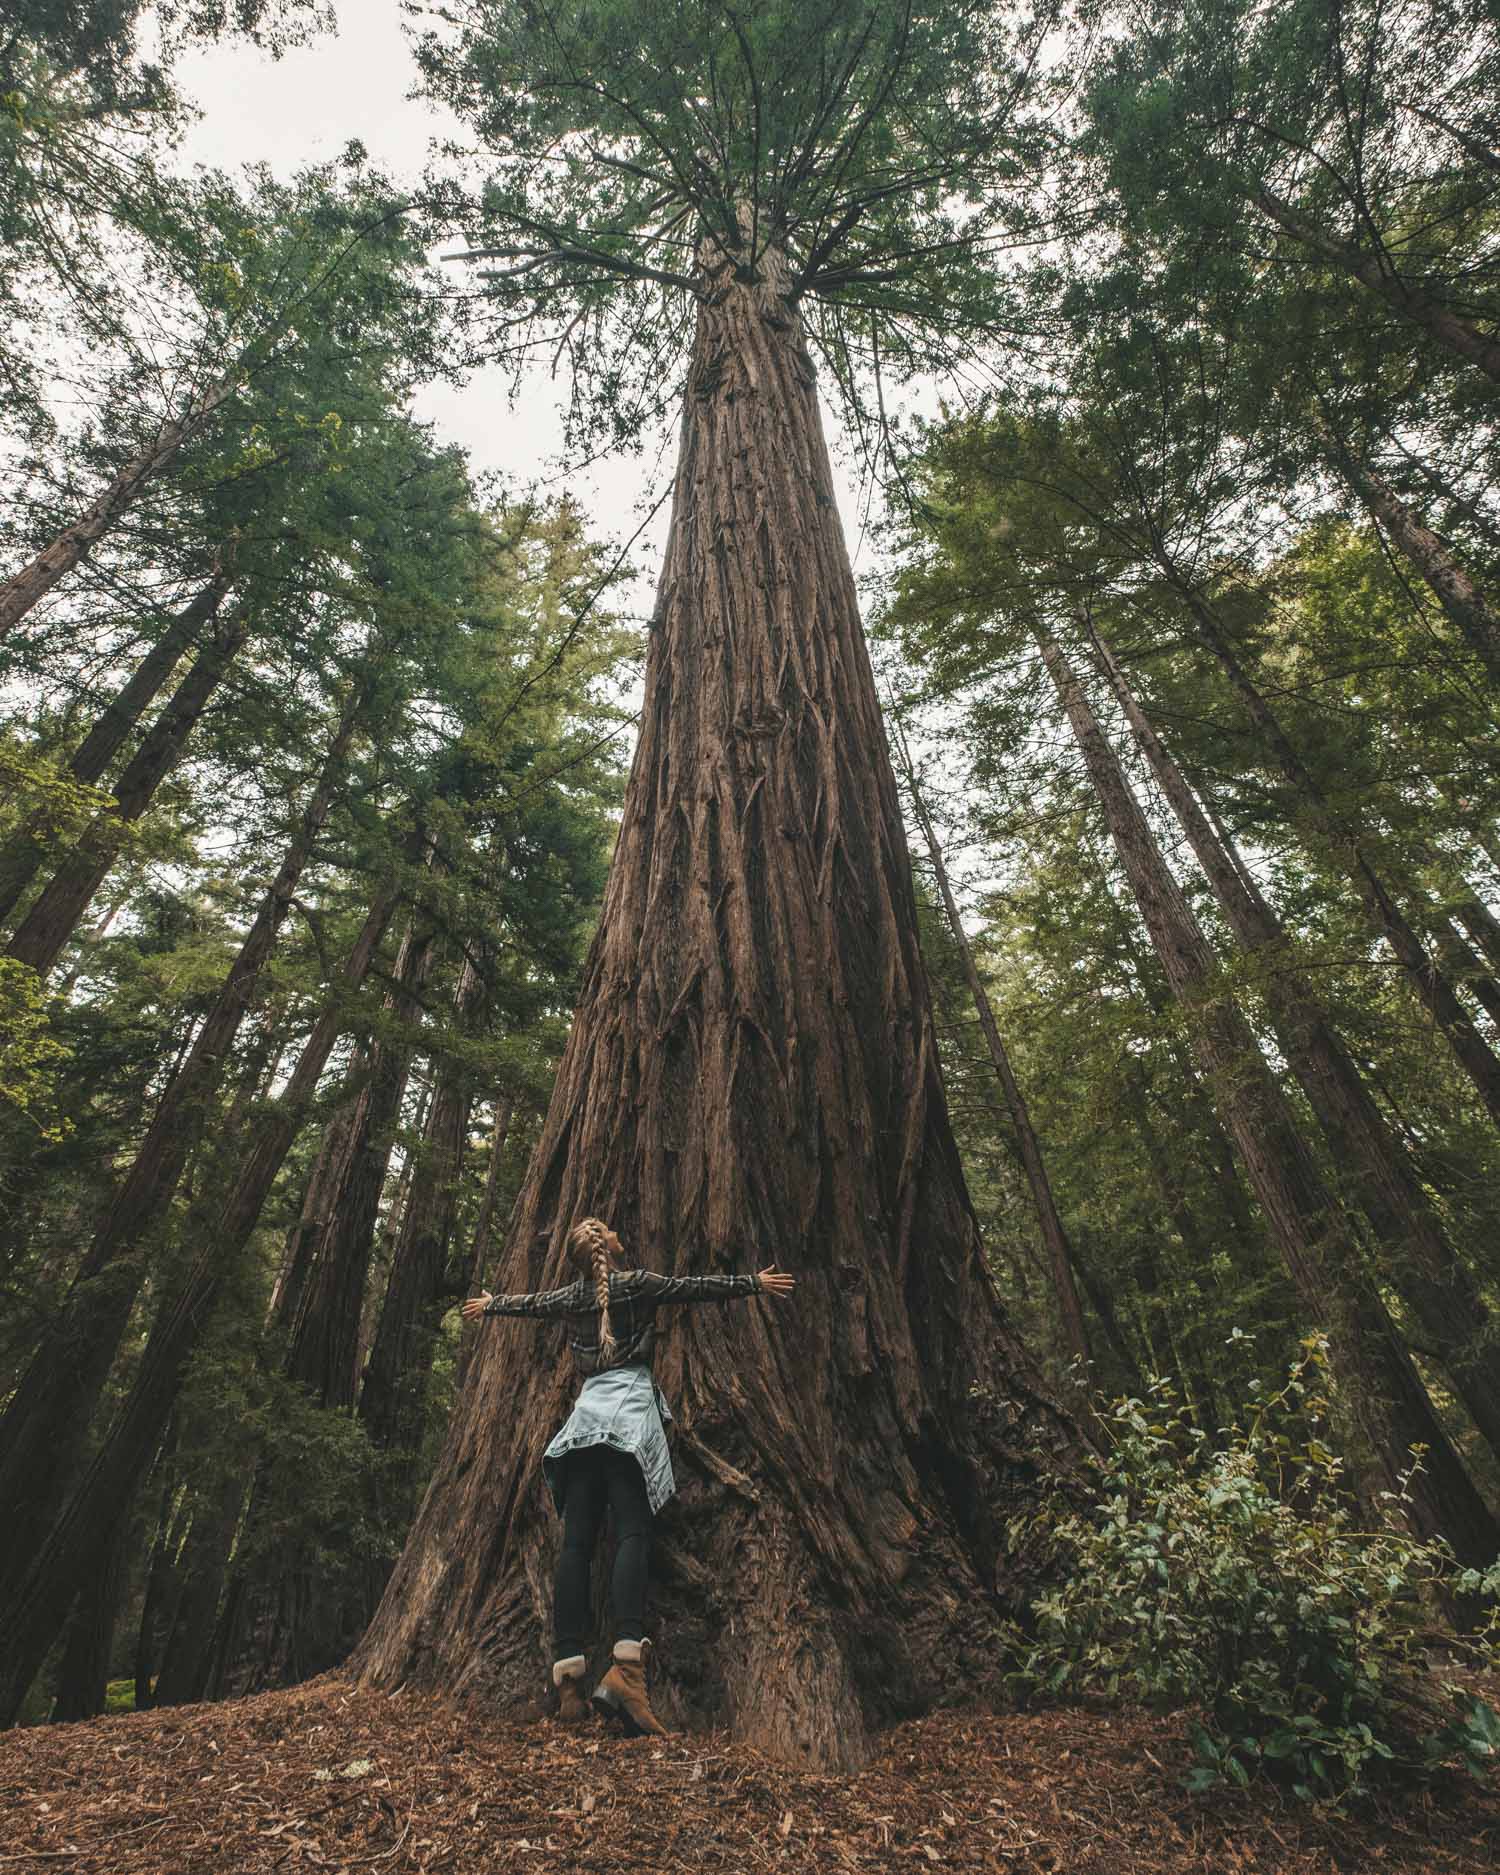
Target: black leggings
[(595, 1476)]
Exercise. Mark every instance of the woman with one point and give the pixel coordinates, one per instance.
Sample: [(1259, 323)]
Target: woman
[(612, 1449)]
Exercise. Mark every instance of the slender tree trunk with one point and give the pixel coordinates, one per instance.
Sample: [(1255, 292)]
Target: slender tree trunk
[(1237, 1219), (1433, 988), (1384, 1394), (156, 1590), (275, 1631), (393, 1396), (83, 1678), (1191, 1356), (1375, 272), (1482, 926), (1471, 614), (49, 924), (41, 1600), (1466, 970), (23, 589), (320, 1314), (1127, 1372), (484, 1227), (484, 1224), (1418, 1256), (22, 855), (1060, 1259), (186, 1647), (50, 1410)]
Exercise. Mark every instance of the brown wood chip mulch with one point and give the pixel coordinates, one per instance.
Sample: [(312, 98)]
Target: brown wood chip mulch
[(330, 1777)]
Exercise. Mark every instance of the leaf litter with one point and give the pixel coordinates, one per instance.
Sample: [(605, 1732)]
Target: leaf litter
[(332, 1777)]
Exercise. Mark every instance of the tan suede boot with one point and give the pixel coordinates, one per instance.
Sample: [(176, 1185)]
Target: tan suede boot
[(567, 1677), (621, 1694)]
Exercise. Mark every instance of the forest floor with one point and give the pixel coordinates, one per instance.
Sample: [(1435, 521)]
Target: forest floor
[(330, 1777)]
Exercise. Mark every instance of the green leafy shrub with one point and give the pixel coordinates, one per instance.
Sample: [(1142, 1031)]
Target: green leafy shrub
[(1234, 1577)]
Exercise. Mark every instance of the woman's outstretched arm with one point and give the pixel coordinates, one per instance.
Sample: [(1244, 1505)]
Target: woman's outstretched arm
[(546, 1304), (770, 1282)]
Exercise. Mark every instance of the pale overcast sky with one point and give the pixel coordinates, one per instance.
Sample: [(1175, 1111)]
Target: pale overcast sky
[(305, 107)]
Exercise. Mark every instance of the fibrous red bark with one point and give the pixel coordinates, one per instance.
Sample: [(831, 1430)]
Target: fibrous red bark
[(753, 1076)]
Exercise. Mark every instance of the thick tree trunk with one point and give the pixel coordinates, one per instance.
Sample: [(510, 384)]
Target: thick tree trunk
[(24, 852), (1375, 272), (50, 1410), (1383, 1393), (49, 924), (23, 589), (1467, 608), (753, 1074), (1419, 1259), (1433, 988), (36, 1607), (1060, 1258)]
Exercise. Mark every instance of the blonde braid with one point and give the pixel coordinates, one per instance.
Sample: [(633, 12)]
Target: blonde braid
[(589, 1239)]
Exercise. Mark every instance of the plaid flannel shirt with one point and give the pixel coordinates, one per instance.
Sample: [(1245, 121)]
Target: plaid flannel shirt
[(634, 1298)]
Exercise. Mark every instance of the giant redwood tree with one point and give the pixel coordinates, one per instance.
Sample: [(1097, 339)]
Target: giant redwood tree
[(752, 1073)]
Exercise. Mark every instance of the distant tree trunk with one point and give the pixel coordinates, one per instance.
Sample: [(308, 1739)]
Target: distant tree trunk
[(392, 1398), (83, 1678), (50, 1410), (1190, 1350), (1482, 926), (49, 924), (1127, 1367), (1467, 970), (156, 1590), (23, 589), (1060, 1258), (1375, 272), (23, 853), (270, 1628), (321, 1315), (1432, 987), (753, 1073), (1237, 1221), (1384, 1394), (484, 1227), (185, 1650), (484, 1224), (1468, 610), (35, 1608), (1419, 1258)]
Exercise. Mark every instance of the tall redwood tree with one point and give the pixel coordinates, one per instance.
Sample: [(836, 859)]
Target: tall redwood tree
[(752, 1073)]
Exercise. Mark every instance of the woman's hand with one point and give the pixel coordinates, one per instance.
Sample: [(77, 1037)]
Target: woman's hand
[(476, 1305), (775, 1282)]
